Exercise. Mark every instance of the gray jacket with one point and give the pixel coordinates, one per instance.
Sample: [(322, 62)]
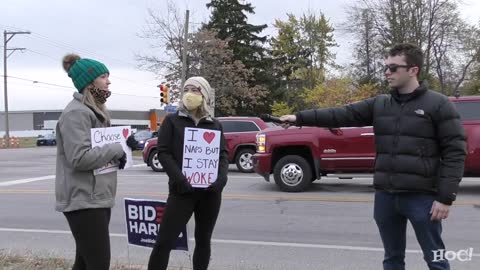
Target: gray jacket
[(75, 185)]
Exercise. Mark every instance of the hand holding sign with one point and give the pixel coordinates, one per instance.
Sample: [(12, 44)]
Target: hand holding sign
[(123, 161), (201, 152), (110, 135)]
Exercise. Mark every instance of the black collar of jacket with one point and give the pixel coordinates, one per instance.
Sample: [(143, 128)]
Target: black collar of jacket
[(421, 89), (186, 114)]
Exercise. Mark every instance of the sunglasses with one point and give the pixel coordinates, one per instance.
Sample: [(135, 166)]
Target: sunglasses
[(394, 67)]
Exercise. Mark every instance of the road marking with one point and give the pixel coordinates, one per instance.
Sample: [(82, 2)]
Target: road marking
[(49, 231), (237, 242), (140, 165), (247, 197), (27, 180), (41, 178), (164, 175)]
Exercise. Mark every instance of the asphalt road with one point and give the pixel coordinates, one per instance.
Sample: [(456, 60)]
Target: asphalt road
[(329, 227)]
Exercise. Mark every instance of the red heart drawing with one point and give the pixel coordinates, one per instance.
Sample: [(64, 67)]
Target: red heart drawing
[(208, 136), (125, 132)]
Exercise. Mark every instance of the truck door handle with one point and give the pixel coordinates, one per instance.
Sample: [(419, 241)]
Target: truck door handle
[(367, 134)]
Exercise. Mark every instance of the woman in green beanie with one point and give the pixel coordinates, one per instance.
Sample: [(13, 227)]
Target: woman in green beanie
[(84, 198)]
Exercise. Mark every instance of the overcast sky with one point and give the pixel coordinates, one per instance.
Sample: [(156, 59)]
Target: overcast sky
[(107, 30)]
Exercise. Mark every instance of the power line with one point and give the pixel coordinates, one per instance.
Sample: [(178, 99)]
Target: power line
[(71, 47), (72, 88), (56, 60), (42, 54), (35, 81), (64, 45)]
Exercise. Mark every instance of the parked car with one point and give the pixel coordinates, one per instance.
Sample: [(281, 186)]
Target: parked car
[(48, 139), (142, 136), (298, 156), (240, 138)]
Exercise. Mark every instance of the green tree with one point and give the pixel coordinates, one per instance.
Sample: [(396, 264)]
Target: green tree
[(281, 108), (301, 53), (337, 92), (288, 56), (317, 39), (229, 21)]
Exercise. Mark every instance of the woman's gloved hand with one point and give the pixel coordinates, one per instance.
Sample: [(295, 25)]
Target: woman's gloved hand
[(183, 186), (217, 186), (132, 143), (122, 161)]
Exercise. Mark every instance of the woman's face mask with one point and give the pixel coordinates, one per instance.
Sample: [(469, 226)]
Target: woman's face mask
[(192, 101), (100, 95)]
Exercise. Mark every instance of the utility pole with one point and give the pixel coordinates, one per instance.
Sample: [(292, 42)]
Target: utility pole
[(184, 52), (7, 36)]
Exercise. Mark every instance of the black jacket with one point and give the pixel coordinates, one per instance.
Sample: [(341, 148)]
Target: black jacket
[(420, 141), (170, 148)]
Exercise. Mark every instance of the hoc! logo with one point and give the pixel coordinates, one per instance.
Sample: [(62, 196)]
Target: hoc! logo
[(462, 255)]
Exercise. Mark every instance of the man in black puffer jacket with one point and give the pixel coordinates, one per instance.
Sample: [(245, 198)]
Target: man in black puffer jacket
[(421, 149)]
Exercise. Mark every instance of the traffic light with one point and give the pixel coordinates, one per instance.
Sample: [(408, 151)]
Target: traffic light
[(164, 94)]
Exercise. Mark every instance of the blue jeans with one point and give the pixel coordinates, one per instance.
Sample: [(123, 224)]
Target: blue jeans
[(391, 212)]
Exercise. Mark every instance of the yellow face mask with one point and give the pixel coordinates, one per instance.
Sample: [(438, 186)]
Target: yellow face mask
[(192, 101)]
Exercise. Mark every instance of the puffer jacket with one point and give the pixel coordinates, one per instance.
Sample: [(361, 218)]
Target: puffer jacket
[(420, 142), (75, 185)]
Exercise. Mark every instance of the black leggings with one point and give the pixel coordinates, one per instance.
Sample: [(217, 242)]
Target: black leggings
[(205, 205), (90, 230)]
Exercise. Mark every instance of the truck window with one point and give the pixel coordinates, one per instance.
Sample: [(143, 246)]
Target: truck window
[(239, 126), (468, 110)]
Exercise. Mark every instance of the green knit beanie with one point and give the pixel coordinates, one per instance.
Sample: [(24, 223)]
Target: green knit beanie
[(83, 71)]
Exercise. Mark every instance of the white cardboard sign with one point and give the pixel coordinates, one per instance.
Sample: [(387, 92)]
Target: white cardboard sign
[(201, 153), (109, 135)]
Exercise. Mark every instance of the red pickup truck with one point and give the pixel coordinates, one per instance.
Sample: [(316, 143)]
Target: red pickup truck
[(240, 138), (298, 156)]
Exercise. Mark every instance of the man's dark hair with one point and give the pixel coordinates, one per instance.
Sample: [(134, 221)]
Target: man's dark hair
[(413, 54)]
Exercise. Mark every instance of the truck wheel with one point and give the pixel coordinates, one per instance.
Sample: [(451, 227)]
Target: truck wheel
[(154, 163), (292, 174), (244, 161)]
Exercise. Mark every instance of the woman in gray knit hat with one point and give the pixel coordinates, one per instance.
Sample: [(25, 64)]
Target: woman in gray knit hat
[(195, 115)]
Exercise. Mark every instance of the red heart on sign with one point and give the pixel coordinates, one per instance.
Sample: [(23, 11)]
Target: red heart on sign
[(125, 132), (208, 136)]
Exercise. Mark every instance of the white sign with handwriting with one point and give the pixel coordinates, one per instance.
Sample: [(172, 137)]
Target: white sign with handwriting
[(109, 135), (201, 153)]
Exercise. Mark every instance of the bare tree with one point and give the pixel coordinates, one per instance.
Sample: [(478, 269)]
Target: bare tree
[(207, 56), (434, 25), (457, 54), (212, 58), (367, 51), (165, 30)]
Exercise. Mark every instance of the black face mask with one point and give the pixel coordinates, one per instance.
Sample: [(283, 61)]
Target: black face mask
[(100, 95)]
